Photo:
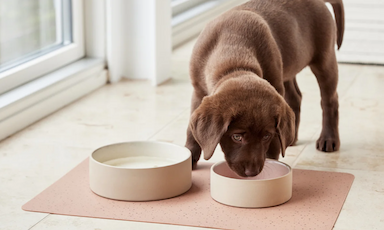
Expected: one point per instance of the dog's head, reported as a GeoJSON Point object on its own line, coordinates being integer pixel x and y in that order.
{"type": "Point", "coordinates": [244, 116]}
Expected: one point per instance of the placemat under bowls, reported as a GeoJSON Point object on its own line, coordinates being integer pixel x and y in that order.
{"type": "Point", "coordinates": [317, 199]}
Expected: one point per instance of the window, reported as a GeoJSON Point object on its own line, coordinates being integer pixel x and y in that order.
{"type": "Point", "coordinates": [43, 62]}
{"type": "Point", "coordinates": [179, 6]}
{"type": "Point", "coordinates": [36, 37]}
{"type": "Point", "coordinates": [190, 16]}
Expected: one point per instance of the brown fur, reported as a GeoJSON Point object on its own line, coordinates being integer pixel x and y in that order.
{"type": "Point", "coordinates": [244, 65]}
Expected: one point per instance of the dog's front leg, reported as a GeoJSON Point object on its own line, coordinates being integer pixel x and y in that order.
{"type": "Point", "coordinates": [293, 97]}
{"type": "Point", "coordinates": [194, 147]}
{"type": "Point", "coordinates": [191, 143]}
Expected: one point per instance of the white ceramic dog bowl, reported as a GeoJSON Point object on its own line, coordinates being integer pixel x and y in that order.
{"type": "Point", "coordinates": [140, 171]}
{"type": "Point", "coordinates": [273, 186]}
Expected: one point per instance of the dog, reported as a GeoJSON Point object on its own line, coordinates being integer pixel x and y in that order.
{"type": "Point", "coordinates": [243, 69]}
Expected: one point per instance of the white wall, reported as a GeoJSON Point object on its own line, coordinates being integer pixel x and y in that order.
{"type": "Point", "coordinates": [139, 50]}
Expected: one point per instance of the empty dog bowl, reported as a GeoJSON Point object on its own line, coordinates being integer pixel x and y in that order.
{"type": "Point", "coordinates": [140, 171]}
{"type": "Point", "coordinates": [273, 186]}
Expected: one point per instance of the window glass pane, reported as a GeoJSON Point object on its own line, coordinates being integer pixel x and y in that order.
{"type": "Point", "coordinates": [179, 6]}
{"type": "Point", "coordinates": [31, 28]}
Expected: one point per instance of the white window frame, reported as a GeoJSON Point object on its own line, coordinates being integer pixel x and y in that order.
{"type": "Point", "coordinates": [44, 64]}
{"type": "Point", "coordinates": [180, 6]}
{"type": "Point", "coordinates": [190, 16]}
{"type": "Point", "coordinates": [85, 72]}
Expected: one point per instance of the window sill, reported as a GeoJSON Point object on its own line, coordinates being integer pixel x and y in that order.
{"type": "Point", "coordinates": [188, 24]}
{"type": "Point", "coordinates": [32, 101]}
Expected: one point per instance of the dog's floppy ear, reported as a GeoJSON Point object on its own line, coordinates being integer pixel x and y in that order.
{"type": "Point", "coordinates": [285, 127]}
{"type": "Point", "coordinates": [208, 124]}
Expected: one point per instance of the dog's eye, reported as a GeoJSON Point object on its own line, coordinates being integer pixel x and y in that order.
{"type": "Point", "coordinates": [237, 137]}
{"type": "Point", "coordinates": [267, 136]}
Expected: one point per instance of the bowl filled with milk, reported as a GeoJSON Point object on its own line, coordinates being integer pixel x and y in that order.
{"type": "Point", "coordinates": [140, 171]}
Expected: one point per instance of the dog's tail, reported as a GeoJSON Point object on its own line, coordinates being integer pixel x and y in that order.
{"type": "Point", "coordinates": [338, 10]}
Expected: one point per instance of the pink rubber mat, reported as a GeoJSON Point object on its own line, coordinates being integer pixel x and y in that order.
{"type": "Point", "coordinates": [315, 204]}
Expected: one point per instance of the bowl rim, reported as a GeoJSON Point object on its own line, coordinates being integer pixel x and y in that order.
{"type": "Point", "coordinates": [251, 181]}
{"type": "Point", "coordinates": [137, 169]}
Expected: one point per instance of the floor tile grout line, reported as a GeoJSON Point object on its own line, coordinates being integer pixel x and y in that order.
{"type": "Point", "coordinates": [342, 97]}
{"type": "Point", "coordinates": [322, 168]}
{"type": "Point", "coordinates": [38, 222]}
{"type": "Point", "coordinates": [298, 156]}
{"type": "Point", "coordinates": [168, 124]}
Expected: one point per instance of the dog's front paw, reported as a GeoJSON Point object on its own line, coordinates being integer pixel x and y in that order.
{"type": "Point", "coordinates": [328, 144]}
{"type": "Point", "coordinates": [194, 165]}
{"type": "Point", "coordinates": [294, 142]}
{"type": "Point", "coordinates": [195, 153]}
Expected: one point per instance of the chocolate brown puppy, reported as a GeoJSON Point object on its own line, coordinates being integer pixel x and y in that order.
{"type": "Point", "coordinates": [243, 70]}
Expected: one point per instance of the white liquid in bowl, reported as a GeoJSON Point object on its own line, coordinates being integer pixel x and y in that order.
{"type": "Point", "coordinates": [140, 162]}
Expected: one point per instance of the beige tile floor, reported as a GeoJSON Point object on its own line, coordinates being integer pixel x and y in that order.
{"type": "Point", "coordinates": [34, 158]}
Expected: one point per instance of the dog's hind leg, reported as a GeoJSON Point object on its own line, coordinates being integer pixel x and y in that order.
{"type": "Point", "coordinates": [326, 71]}
{"type": "Point", "coordinates": [191, 143]}
{"type": "Point", "coordinates": [293, 98]}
